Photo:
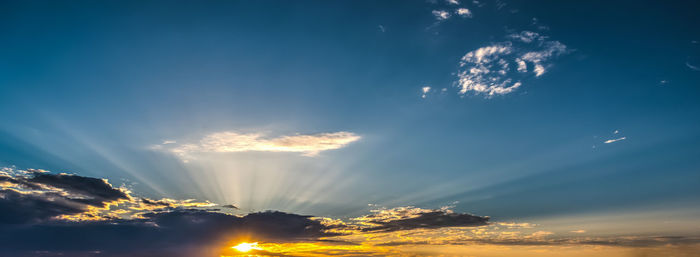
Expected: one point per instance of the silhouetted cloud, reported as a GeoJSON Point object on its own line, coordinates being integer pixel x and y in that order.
{"type": "Point", "coordinates": [19, 208]}
{"type": "Point", "coordinates": [70, 215]}
{"type": "Point", "coordinates": [95, 191]}
{"type": "Point", "coordinates": [406, 218]}
{"type": "Point", "coordinates": [180, 232]}
{"type": "Point", "coordinates": [230, 206]}
{"type": "Point", "coordinates": [35, 196]}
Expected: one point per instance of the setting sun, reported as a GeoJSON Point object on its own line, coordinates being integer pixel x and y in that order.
{"type": "Point", "coordinates": [245, 247]}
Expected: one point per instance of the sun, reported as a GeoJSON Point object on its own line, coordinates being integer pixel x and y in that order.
{"type": "Point", "coordinates": [245, 247]}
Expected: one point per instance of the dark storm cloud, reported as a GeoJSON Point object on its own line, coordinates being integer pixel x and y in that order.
{"type": "Point", "coordinates": [432, 219]}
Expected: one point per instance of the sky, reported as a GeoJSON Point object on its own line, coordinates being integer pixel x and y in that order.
{"type": "Point", "coordinates": [355, 128]}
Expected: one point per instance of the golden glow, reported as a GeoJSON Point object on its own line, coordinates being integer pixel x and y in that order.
{"type": "Point", "coordinates": [246, 247]}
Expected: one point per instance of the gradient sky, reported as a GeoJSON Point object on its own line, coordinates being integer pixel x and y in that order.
{"type": "Point", "coordinates": [334, 109]}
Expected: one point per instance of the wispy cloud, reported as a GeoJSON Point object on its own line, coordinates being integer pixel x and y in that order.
{"type": "Point", "coordinates": [441, 15]}
{"type": "Point", "coordinates": [614, 140]}
{"type": "Point", "coordinates": [488, 70]}
{"type": "Point", "coordinates": [453, 2]}
{"type": "Point", "coordinates": [464, 12]}
{"type": "Point", "coordinates": [425, 90]}
{"type": "Point", "coordinates": [231, 142]}
{"type": "Point", "coordinates": [692, 67]}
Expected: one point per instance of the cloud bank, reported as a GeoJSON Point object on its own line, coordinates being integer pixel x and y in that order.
{"type": "Point", "coordinates": [45, 214]}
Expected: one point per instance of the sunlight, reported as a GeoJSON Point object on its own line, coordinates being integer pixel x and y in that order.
{"type": "Point", "coordinates": [245, 247]}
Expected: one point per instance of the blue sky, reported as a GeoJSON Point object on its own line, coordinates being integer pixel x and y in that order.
{"type": "Point", "coordinates": [117, 89]}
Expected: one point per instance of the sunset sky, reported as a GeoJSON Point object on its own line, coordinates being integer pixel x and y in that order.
{"type": "Point", "coordinates": [349, 128]}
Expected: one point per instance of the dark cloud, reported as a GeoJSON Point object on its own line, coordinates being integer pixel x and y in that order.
{"type": "Point", "coordinates": [432, 219]}
{"type": "Point", "coordinates": [157, 203]}
{"type": "Point", "coordinates": [280, 226]}
{"type": "Point", "coordinates": [37, 196]}
{"type": "Point", "coordinates": [34, 207]}
{"type": "Point", "coordinates": [97, 191]}
{"type": "Point", "coordinates": [32, 223]}
{"type": "Point", "coordinates": [180, 232]}
{"type": "Point", "coordinates": [19, 208]}
{"type": "Point", "coordinates": [230, 206]}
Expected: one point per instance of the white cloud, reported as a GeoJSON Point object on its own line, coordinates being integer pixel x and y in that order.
{"type": "Point", "coordinates": [231, 142]}
{"type": "Point", "coordinates": [425, 90]}
{"type": "Point", "coordinates": [487, 70]}
{"type": "Point", "coordinates": [522, 66]}
{"type": "Point", "coordinates": [527, 36]}
{"type": "Point", "coordinates": [615, 140]}
{"type": "Point", "coordinates": [693, 67]}
{"type": "Point", "coordinates": [441, 15]}
{"type": "Point", "coordinates": [464, 12]}
{"type": "Point", "coordinates": [455, 2]}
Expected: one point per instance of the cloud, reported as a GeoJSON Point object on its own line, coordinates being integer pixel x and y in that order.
{"type": "Point", "coordinates": [381, 28]}
{"type": "Point", "coordinates": [38, 210]}
{"type": "Point", "coordinates": [464, 12]}
{"type": "Point", "coordinates": [692, 67]}
{"type": "Point", "coordinates": [32, 204]}
{"type": "Point", "coordinates": [407, 218]}
{"type": "Point", "coordinates": [424, 90]}
{"type": "Point", "coordinates": [452, 2]}
{"type": "Point", "coordinates": [185, 232]}
{"type": "Point", "coordinates": [441, 15]}
{"type": "Point", "coordinates": [488, 70]}
{"type": "Point", "coordinates": [231, 142]}
{"type": "Point", "coordinates": [36, 196]}
{"type": "Point", "coordinates": [614, 140]}
{"type": "Point", "coordinates": [526, 36]}
{"type": "Point", "coordinates": [230, 206]}
{"type": "Point", "coordinates": [91, 191]}
{"type": "Point", "coordinates": [580, 231]}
